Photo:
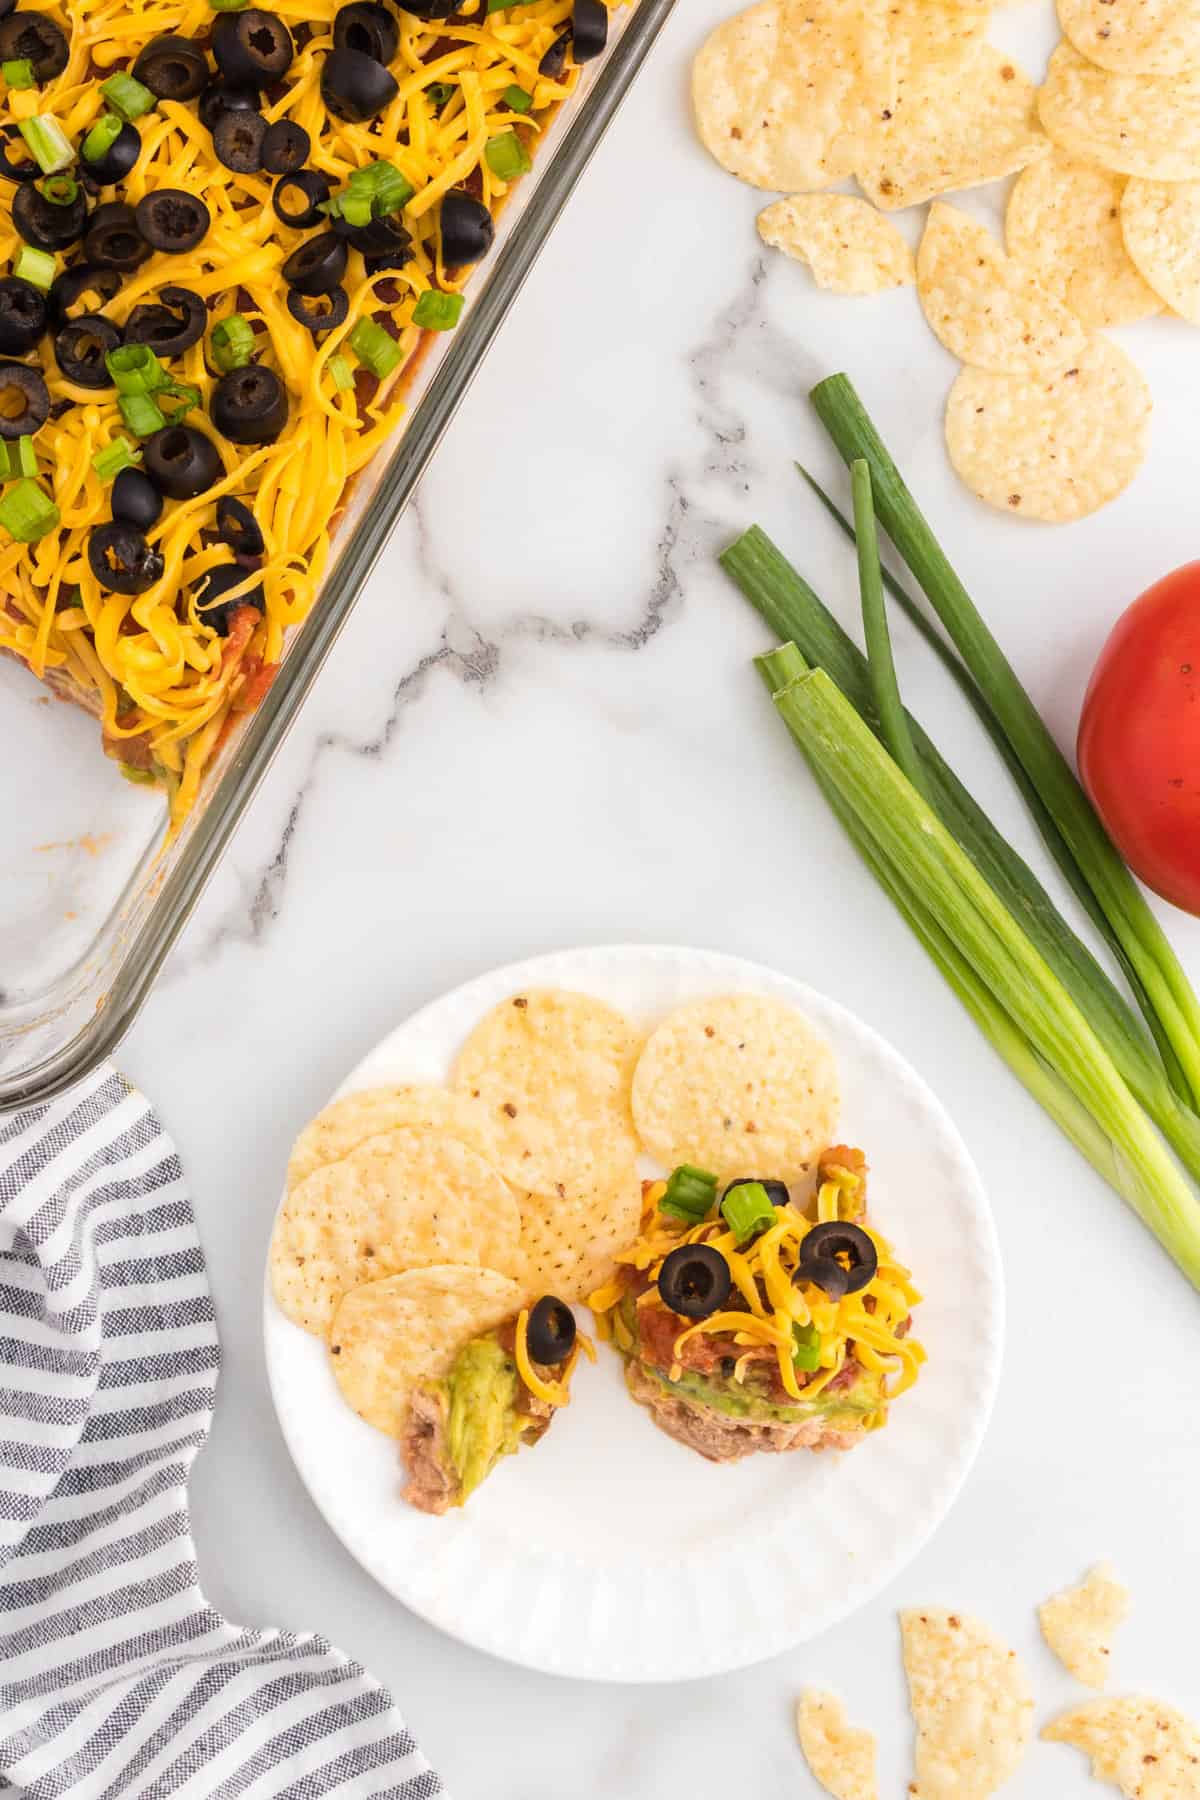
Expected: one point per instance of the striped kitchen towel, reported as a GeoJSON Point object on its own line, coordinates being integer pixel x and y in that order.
{"type": "Point", "coordinates": [117, 1680]}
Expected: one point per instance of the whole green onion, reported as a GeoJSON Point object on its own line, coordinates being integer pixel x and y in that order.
{"type": "Point", "coordinates": [507, 156]}
{"type": "Point", "coordinates": [141, 414]}
{"type": "Point", "coordinates": [60, 190]}
{"type": "Point", "coordinates": [373, 347]}
{"type": "Point", "coordinates": [49, 145]}
{"type": "Point", "coordinates": [893, 721]}
{"type": "Point", "coordinates": [690, 1195]}
{"type": "Point", "coordinates": [37, 267]}
{"type": "Point", "coordinates": [119, 454]}
{"type": "Point", "coordinates": [806, 1348]}
{"type": "Point", "coordinates": [135, 369]}
{"type": "Point", "coordinates": [18, 73]}
{"type": "Point", "coordinates": [232, 343]}
{"type": "Point", "coordinates": [343, 374]}
{"type": "Point", "coordinates": [101, 137]}
{"type": "Point", "coordinates": [27, 513]}
{"type": "Point", "coordinates": [436, 311]}
{"type": "Point", "coordinates": [746, 1209]}
{"type": "Point", "coordinates": [516, 99]}
{"type": "Point", "coordinates": [127, 97]}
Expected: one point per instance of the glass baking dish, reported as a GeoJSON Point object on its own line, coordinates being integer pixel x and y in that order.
{"type": "Point", "coordinates": [92, 896]}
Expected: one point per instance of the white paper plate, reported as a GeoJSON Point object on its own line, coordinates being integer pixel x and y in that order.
{"type": "Point", "coordinates": [610, 1552]}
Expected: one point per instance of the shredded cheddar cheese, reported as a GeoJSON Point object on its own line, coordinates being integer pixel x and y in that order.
{"type": "Point", "coordinates": [164, 682]}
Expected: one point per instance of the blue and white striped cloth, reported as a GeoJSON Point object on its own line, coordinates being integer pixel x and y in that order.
{"type": "Point", "coordinates": [117, 1680]}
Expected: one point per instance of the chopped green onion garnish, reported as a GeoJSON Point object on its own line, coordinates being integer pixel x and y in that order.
{"type": "Point", "coordinates": [435, 311]}
{"type": "Point", "coordinates": [127, 97]}
{"type": "Point", "coordinates": [183, 398]}
{"type": "Point", "coordinates": [343, 374]}
{"type": "Point", "coordinates": [371, 192]}
{"type": "Point", "coordinates": [17, 458]}
{"type": "Point", "coordinates": [438, 92]}
{"type": "Point", "coordinates": [18, 73]}
{"type": "Point", "coordinates": [806, 1348]}
{"type": "Point", "coordinates": [375, 348]}
{"type": "Point", "coordinates": [507, 156]}
{"type": "Point", "coordinates": [228, 5]}
{"type": "Point", "coordinates": [102, 136]}
{"type": "Point", "coordinates": [49, 145]}
{"type": "Point", "coordinates": [60, 190]}
{"type": "Point", "coordinates": [114, 457]}
{"type": "Point", "coordinates": [37, 267]}
{"type": "Point", "coordinates": [746, 1209]}
{"type": "Point", "coordinates": [141, 414]}
{"type": "Point", "coordinates": [27, 513]}
{"type": "Point", "coordinates": [516, 99]}
{"type": "Point", "coordinates": [136, 370]}
{"type": "Point", "coordinates": [691, 1194]}
{"type": "Point", "coordinates": [232, 343]}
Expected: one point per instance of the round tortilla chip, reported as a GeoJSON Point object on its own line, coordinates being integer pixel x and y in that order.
{"type": "Point", "coordinates": [404, 1200]}
{"type": "Point", "coordinates": [841, 1758]}
{"type": "Point", "coordinates": [1079, 1624]}
{"type": "Point", "coordinates": [777, 92]}
{"type": "Point", "coordinates": [1150, 1751]}
{"type": "Point", "coordinates": [546, 1078]}
{"type": "Point", "coordinates": [347, 1123]}
{"type": "Point", "coordinates": [1052, 448]}
{"type": "Point", "coordinates": [988, 311]}
{"type": "Point", "coordinates": [971, 1704]}
{"type": "Point", "coordinates": [920, 34]}
{"type": "Point", "coordinates": [1135, 37]}
{"type": "Point", "coordinates": [568, 1243]}
{"type": "Point", "coordinates": [1146, 125]}
{"type": "Point", "coordinates": [737, 1084]}
{"type": "Point", "coordinates": [1161, 225]}
{"type": "Point", "coordinates": [1064, 223]}
{"type": "Point", "coordinates": [388, 1336]}
{"type": "Point", "coordinates": [850, 248]}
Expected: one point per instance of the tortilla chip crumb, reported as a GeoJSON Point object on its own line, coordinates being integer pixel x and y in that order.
{"type": "Point", "coordinates": [1078, 1625]}
{"type": "Point", "coordinates": [841, 1756]}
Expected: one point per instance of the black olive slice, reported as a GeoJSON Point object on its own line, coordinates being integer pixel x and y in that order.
{"type": "Point", "coordinates": [221, 97]}
{"type": "Point", "coordinates": [22, 316]}
{"type": "Point", "coordinates": [776, 1191]}
{"type": "Point", "coordinates": [113, 238]}
{"type": "Point", "coordinates": [238, 527]}
{"type": "Point", "coordinates": [589, 29]}
{"type": "Point", "coordinates": [385, 236]}
{"type": "Point", "coordinates": [298, 198]}
{"type": "Point", "coordinates": [81, 347]}
{"type": "Point", "coordinates": [172, 325]}
{"type": "Point", "coordinates": [249, 405]}
{"type": "Point", "coordinates": [285, 147]}
{"type": "Point", "coordinates": [6, 6]}
{"type": "Point", "coordinates": [368, 27]}
{"type": "Point", "coordinates": [554, 62]}
{"type": "Point", "coordinates": [550, 1330]}
{"type": "Point", "coordinates": [317, 265]}
{"type": "Point", "coordinates": [172, 220]}
{"type": "Point", "coordinates": [433, 9]}
{"type": "Point", "coordinates": [135, 500]}
{"type": "Point", "coordinates": [45, 224]}
{"type": "Point", "coordinates": [238, 140]}
{"type": "Point", "coordinates": [355, 87]}
{"type": "Point", "coordinates": [218, 581]}
{"type": "Point", "coordinates": [821, 1251]}
{"type": "Point", "coordinates": [34, 37]}
{"type": "Point", "coordinates": [173, 68]}
{"type": "Point", "coordinates": [24, 400]}
{"type": "Point", "coordinates": [19, 166]}
{"type": "Point", "coordinates": [467, 227]}
{"type": "Point", "coordinates": [117, 160]}
{"type": "Point", "coordinates": [122, 560]}
{"type": "Point", "coordinates": [182, 462]}
{"type": "Point", "coordinates": [253, 48]}
{"type": "Point", "coordinates": [694, 1280]}
{"type": "Point", "coordinates": [73, 284]}
{"type": "Point", "coordinates": [319, 312]}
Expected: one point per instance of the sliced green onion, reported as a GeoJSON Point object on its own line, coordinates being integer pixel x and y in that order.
{"type": "Point", "coordinates": [37, 267]}
{"type": "Point", "coordinates": [114, 457]}
{"type": "Point", "coordinates": [228, 5]}
{"type": "Point", "coordinates": [371, 192]}
{"type": "Point", "coordinates": [60, 190]}
{"type": "Point", "coordinates": [141, 414]}
{"type": "Point", "coordinates": [232, 343]}
{"type": "Point", "coordinates": [746, 1209]}
{"type": "Point", "coordinates": [102, 136]}
{"type": "Point", "coordinates": [17, 458]}
{"type": "Point", "coordinates": [127, 97]}
{"type": "Point", "coordinates": [49, 145]}
{"type": "Point", "coordinates": [438, 92]}
{"type": "Point", "coordinates": [375, 348]}
{"type": "Point", "coordinates": [435, 311]}
{"type": "Point", "coordinates": [139, 777]}
{"type": "Point", "coordinates": [343, 374]}
{"type": "Point", "coordinates": [691, 1194]}
{"type": "Point", "coordinates": [507, 156]}
{"type": "Point", "coordinates": [356, 209]}
{"type": "Point", "coordinates": [806, 1348]}
{"type": "Point", "coordinates": [27, 512]}
{"type": "Point", "coordinates": [183, 397]}
{"type": "Point", "coordinates": [136, 369]}
{"type": "Point", "coordinates": [516, 99]}
{"type": "Point", "coordinates": [18, 73]}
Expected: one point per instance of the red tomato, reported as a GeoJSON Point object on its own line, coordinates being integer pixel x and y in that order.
{"type": "Point", "coordinates": [1139, 738]}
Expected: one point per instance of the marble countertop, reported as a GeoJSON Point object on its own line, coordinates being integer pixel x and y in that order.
{"type": "Point", "coordinates": [542, 728]}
